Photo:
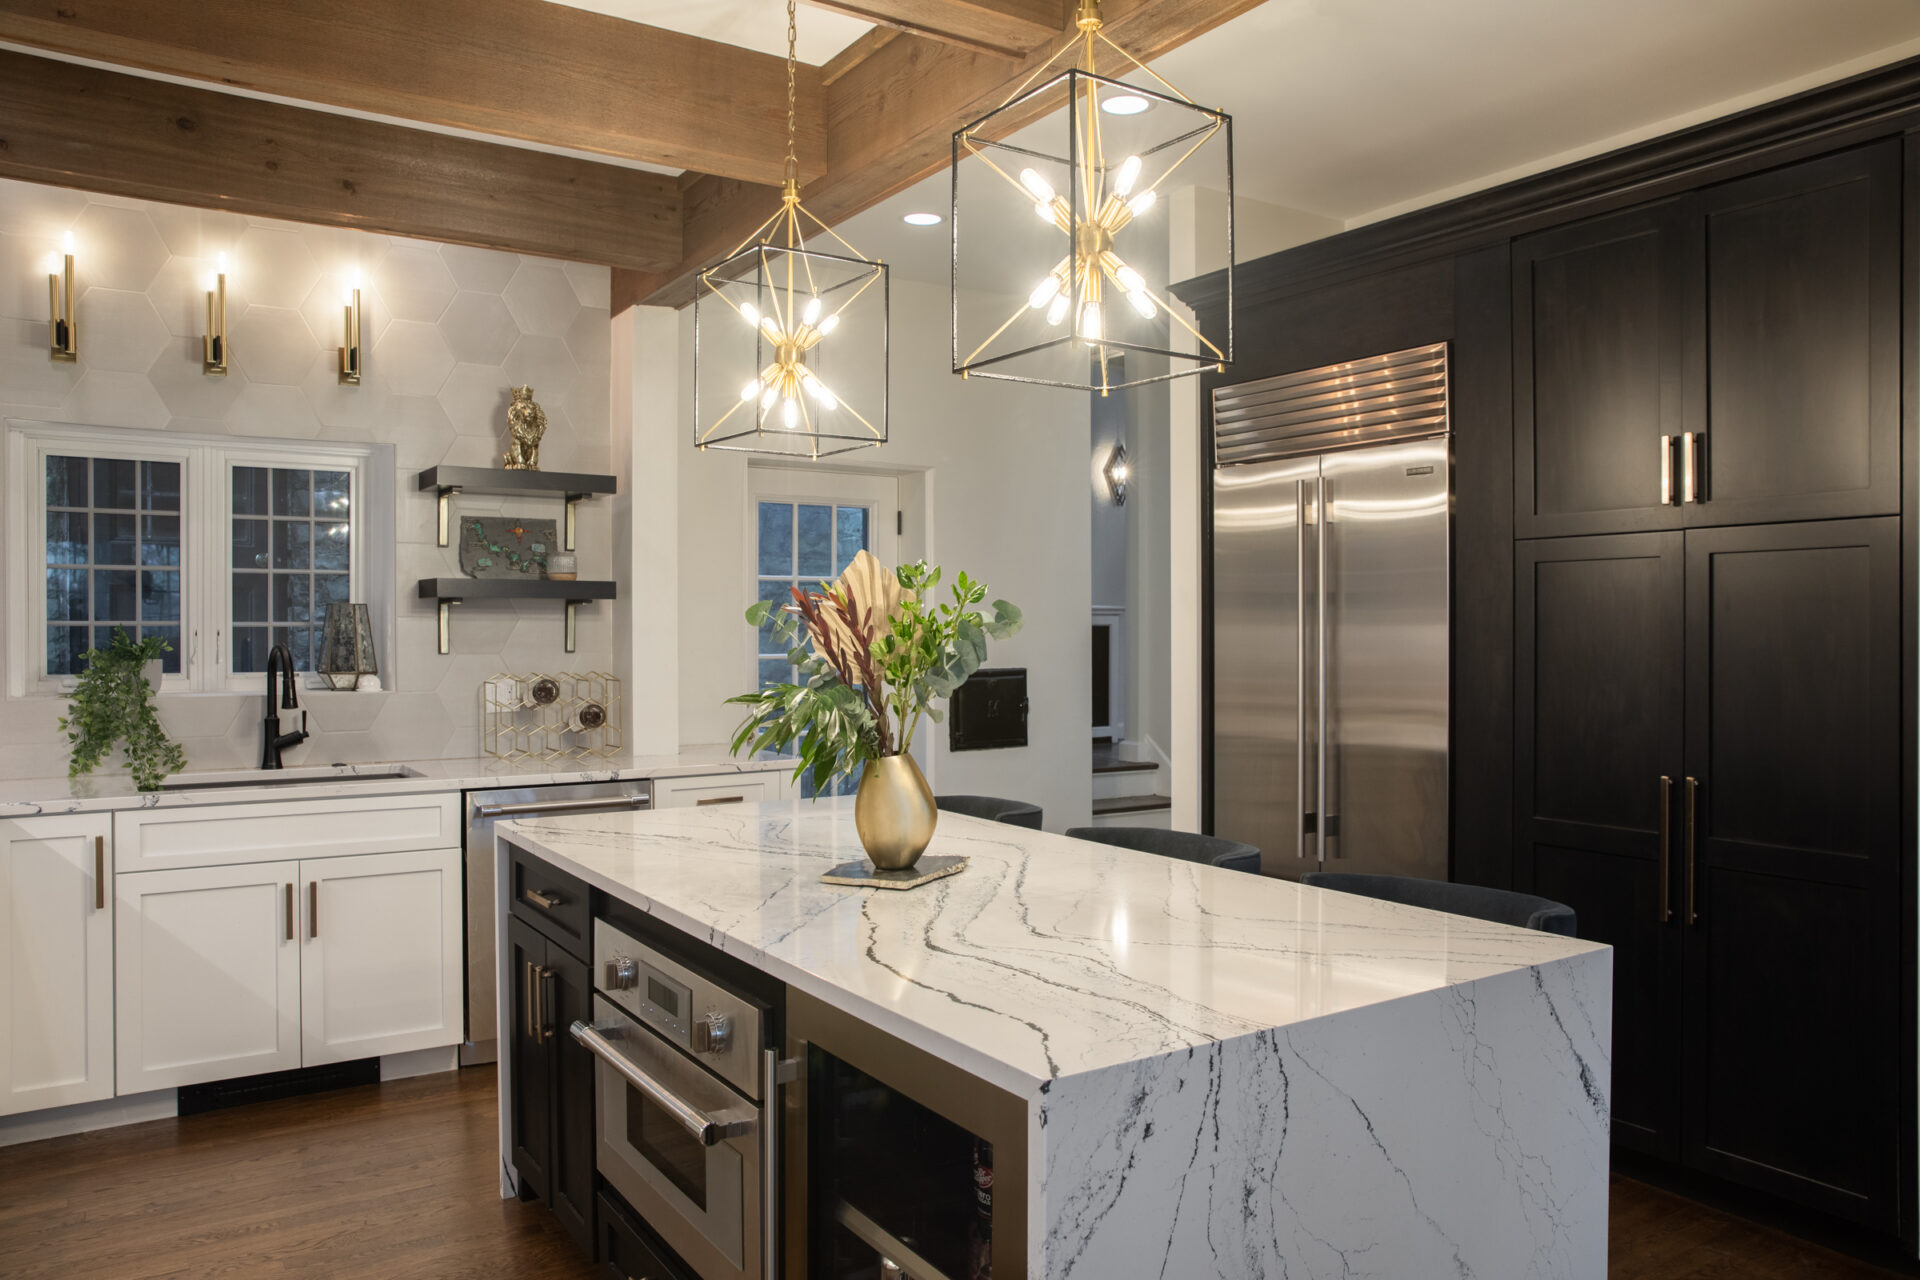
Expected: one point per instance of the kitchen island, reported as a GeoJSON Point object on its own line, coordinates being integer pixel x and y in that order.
{"type": "Point", "coordinates": [1221, 1074]}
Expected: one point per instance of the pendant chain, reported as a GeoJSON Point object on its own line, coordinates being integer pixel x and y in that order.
{"type": "Point", "coordinates": [793, 160]}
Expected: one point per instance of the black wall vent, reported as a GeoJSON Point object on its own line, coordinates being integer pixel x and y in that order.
{"type": "Point", "coordinates": [989, 711]}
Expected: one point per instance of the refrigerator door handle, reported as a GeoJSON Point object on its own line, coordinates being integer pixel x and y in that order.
{"type": "Point", "coordinates": [1323, 534]}
{"type": "Point", "coordinates": [1300, 677]}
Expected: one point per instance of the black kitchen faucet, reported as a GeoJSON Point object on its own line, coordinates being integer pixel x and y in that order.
{"type": "Point", "coordinates": [273, 741]}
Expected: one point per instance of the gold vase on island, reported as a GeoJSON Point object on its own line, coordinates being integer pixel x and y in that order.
{"type": "Point", "coordinates": [893, 812]}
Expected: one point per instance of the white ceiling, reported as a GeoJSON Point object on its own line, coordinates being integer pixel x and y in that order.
{"type": "Point", "coordinates": [1359, 109]}
{"type": "Point", "coordinates": [750, 24]}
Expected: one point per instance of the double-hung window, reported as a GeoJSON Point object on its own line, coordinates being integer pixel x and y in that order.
{"type": "Point", "coordinates": [222, 546]}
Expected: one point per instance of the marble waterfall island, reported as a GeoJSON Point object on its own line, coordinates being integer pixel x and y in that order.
{"type": "Point", "coordinates": [1223, 1075]}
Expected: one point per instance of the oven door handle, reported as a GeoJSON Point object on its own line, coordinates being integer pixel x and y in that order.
{"type": "Point", "coordinates": [706, 1129]}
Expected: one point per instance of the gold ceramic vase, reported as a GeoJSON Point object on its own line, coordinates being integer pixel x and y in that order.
{"type": "Point", "coordinates": [893, 812]}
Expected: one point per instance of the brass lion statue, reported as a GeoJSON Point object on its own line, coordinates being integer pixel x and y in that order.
{"type": "Point", "coordinates": [526, 423]}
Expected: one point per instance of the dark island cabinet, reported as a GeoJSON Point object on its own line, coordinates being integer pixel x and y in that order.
{"type": "Point", "coordinates": [552, 1094]}
{"type": "Point", "coordinates": [1731, 356]}
{"type": "Point", "coordinates": [1708, 736]}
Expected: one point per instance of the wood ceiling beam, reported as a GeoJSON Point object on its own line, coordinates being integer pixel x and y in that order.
{"type": "Point", "coordinates": [523, 69]}
{"type": "Point", "coordinates": [1007, 28]}
{"type": "Point", "coordinates": [73, 126]}
{"type": "Point", "coordinates": [890, 123]}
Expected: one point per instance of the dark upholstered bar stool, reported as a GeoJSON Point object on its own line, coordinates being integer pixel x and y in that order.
{"type": "Point", "coordinates": [1184, 845]}
{"type": "Point", "coordinates": [1015, 813]}
{"type": "Point", "coordinates": [1501, 906]}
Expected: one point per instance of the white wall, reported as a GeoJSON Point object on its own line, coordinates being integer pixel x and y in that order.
{"type": "Point", "coordinates": [996, 473]}
{"type": "Point", "coordinates": [447, 331]}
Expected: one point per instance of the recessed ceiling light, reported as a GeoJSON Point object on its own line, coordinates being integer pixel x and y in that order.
{"type": "Point", "coordinates": [1125, 104]}
{"type": "Point", "coordinates": [922, 219]}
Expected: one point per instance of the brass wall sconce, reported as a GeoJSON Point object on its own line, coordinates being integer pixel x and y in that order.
{"type": "Point", "coordinates": [1116, 472]}
{"type": "Point", "coordinates": [63, 335]}
{"type": "Point", "coordinates": [350, 352]}
{"type": "Point", "coordinates": [215, 364]}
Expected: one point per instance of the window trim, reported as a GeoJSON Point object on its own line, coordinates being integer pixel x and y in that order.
{"type": "Point", "coordinates": [206, 531]}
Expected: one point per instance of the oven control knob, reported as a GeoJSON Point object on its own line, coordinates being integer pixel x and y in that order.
{"type": "Point", "coordinates": [623, 973]}
{"type": "Point", "coordinates": [712, 1034]}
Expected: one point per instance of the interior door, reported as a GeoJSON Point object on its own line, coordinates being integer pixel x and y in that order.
{"type": "Point", "coordinates": [381, 968]}
{"type": "Point", "coordinates": [1386, 668]}
{"type": "Point", "coordinates": [1599, 340]}
{"type": "Point", "coordinates": [56, 961]}
{"type": "Point", "coordinates": [1800, 273]}
{"type": "Point", "coordinates": [1792, 874]}
{"type": "Point", "coordinates": [1265, 584]}
{"type": "Point", "coordinates": [206, 974]}
{"type": "Point", "coordinates": [1598, 753]}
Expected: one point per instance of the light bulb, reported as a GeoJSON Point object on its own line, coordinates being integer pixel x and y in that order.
{"type": "Point", "coordinates": [1058, 311]}
{"type": "Point", "coordinates": [1142, 302]}
{"type": "Point", "coordinates": [822, 396]}
{"type": "Point", "coordinates": [1044, 292]}
{"type": "Point", "coordinates": [750, 313]}
{"type": "Point", "coordinates": [351, 287]}
{"type": "Point", "coordinates": [1129, 171]}
{"type": "Point", "coordinates": [1032, 181]}
{"type": "Point", "coordinates": [1044, 212]}
{"type": "Point", "coordinates": [66, 245]}
{"type": "Point", "coordinates": [1141, 203]}
{"type": "Point", "coordinates": [1129, 279]}
{"type": "Point", "coordinates": [790, 414]}
{"type": "Point", "coordinates": [772, 394]}
{"type": "Point", "coordinates": [771, 329]}
{"type": "Point", "coordinates": [750, 390]}
{"type": "Point", "coordinates": [1090, 322]}
{"type": "Point", "coordinates": [812, 311]}
{"type": "Point", "coordinates": [831, 323]}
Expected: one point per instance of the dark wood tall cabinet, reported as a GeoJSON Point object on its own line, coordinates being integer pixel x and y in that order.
{"type": "Point", "coordinates": [551, 1115]}
{"type": "Point", "coordinates": [1709, 743]}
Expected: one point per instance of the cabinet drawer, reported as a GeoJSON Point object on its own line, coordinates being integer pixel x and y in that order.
{"type": "Point", "coordinates": [727, 788]}
{"type": "Point", "coordinates": [549, 899]}
{"type": "Point", "coordinates": [219, 835]}
{"type": "Point", "coordinates": [628, 1250]}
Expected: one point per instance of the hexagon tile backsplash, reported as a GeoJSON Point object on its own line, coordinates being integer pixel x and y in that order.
{"type": "Point", "coordinates": [446, 330]}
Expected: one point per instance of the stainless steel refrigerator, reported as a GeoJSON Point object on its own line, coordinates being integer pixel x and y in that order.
{"type": "Point", "coordinates": [1331, 511]}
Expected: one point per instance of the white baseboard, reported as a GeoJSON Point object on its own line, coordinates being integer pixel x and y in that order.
{"type": "Point", "coordinates": [83, 1117]}
{"type": "Point", "coordinates": [420, 1062]}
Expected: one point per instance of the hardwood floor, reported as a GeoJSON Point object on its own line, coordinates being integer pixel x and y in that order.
{"type": "Point", "coordinates": [392, 1181]}
{"type": "Point", "coordinates": [398, 1181]}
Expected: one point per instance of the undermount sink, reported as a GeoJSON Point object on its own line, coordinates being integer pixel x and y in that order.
{"type": "Point", "coordinates": [286, 777]}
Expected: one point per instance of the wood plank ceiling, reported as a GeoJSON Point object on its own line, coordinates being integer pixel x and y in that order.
{"type": "Point", "coordinates": [876, 119]}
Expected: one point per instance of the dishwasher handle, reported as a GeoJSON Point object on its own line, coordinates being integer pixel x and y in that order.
{"type": "Point", "coordinates": [553, 808]}
{"type": "Point", "coordinates": [705, 1129]}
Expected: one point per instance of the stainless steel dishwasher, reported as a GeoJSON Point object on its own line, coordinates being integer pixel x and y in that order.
{"type": "Point", "coordinates": [483, 810]}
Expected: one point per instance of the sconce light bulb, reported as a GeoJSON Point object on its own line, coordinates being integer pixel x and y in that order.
{"type": "Point", "coordinates": [811, 312]}
{"type": "Point", "coordinates": [66, 242]}
{"type": "Point", "coordinates": [1142, 302]}
{"type": "Point", "coordinates": [750, 313]}
{"type": "Point", "coordinates": [1090, 322]}
{"type": "Point", "coordinates": [1141, 203]}
{"type": "Point", "coordinates": [1044, 292]}
{"type": "Point", "coordinates": [1129, 279]}
{"type": "Point", "coordinates": [772, 394]}
{"type": "Point", "coordinates": [1058, 311]}
{"type": "Point", "coordinates": [1129, 171]}
{"type": "Point", "coordinates": [831, 323]}
{"type": "Point", "coordinates": [749, 391]}
{"type": "Point", "coordinates": [790, 414]}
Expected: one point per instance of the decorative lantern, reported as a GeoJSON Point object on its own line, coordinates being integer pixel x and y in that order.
{"type": "Point", "coordinates": [1060, 230]}
{"type": "Point", "coordinates": [346, 646]}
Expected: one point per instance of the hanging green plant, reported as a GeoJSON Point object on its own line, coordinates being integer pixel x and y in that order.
{"type": "Point", "coordinates": [113, 702]}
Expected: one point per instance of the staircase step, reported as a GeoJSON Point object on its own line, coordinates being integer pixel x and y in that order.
{"type": "Point", "coordinates": [1107, 759]}
{"type": "Point", "coordinates": [1130, 804]}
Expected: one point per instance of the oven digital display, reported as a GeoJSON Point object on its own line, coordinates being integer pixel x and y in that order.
{"type": "Point", "coordinates": [663, 997]}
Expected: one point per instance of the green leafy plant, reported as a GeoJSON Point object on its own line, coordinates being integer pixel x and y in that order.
{"type": "Point", "coordinates": [874, 655]}
{"type": "Point", "coordinates": [113, 702]}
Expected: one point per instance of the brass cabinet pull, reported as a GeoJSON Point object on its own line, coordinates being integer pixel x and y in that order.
{"type": "Point", "coordinates": [720, 800]}
{"type": "Point", "coordinates": [544, 901]}
{"type": "Point", "coordinates": [546, 1013]}
{"type": "Point", "coordinates": [1666, 845]}
{"type": "Point", "coordinates": [1690, 442]}
{"type": "Point", "coordinates": [99, 873]}
{"type": "Point", "coordinates": [1693, 796]}
{"type": "Point", "coordinates": [1666, 471]}
{"type": "Point", "coordinates": [289, 911]}
{"type": "Point", "coordinates": [313, 908]}
{"type": "Point", "coordinates": [526, 991]}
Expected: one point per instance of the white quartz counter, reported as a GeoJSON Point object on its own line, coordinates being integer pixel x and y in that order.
{"type": "Point", "coordinates": [1228, 1075]}
{"type": "Point", "coordinates": [102, 792]}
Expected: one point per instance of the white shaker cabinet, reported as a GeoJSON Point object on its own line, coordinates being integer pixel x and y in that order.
{"type": "Point", "coordinates": [717, 789]}
{"type": "Point", "coordinates": [381, 967]}
{"type": "Point", "coordinates": [208, 974]}
{"type": "Point", "coordinates": [56, 961]}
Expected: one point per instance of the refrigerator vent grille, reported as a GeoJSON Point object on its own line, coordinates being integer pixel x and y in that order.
{"type": "Point", "coordinates": [1400, 396]}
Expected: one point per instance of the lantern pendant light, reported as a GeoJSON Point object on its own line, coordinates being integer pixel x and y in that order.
{"type": "Point", "coordinates": [790, 338]}
{"type": "Point", "coordinates": [1060, 243]}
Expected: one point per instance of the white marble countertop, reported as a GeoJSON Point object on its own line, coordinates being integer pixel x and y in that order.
{"type": "Point", "coordinates": [29, 797]}
{"type": "Point", "coordinates": [1045, 958]}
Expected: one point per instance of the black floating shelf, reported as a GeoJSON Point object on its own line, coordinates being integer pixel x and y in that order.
{"type": "Point", "coordinates": [570, 486]}
{"type": "Point", "coordinates": [451, 591]}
